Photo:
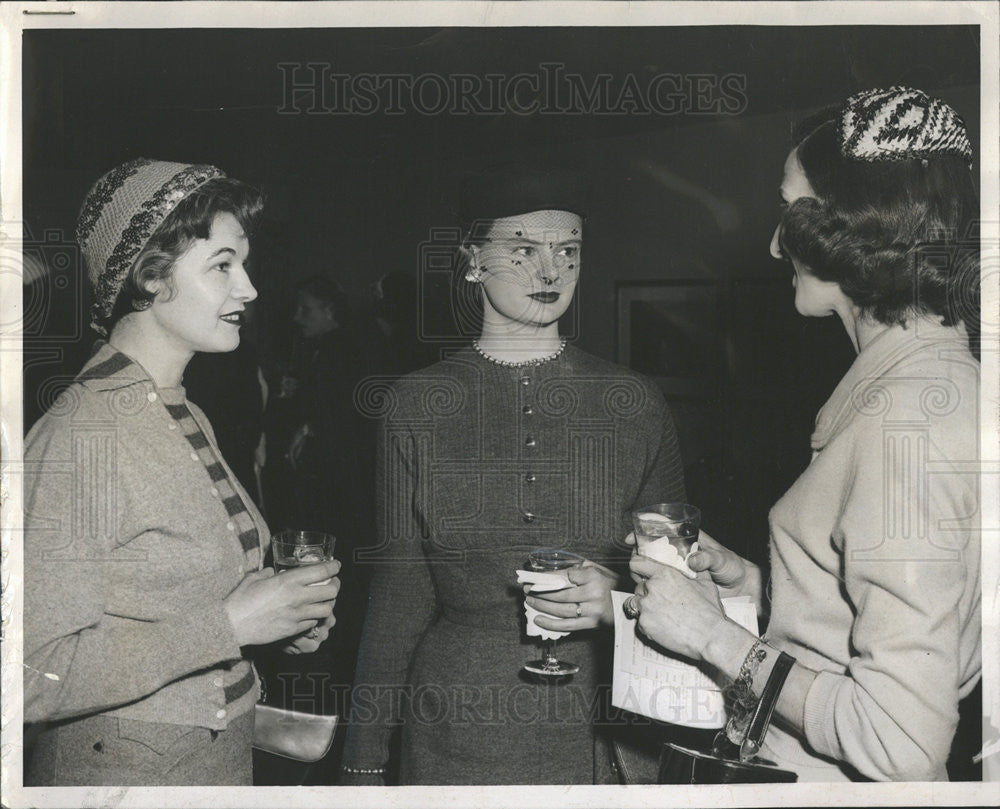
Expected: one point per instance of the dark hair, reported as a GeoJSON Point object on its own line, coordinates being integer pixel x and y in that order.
{"type": "Point", "coordinates": [899, 236]}
{"type": "Point", "coordinates": [326, 290]}
{"type": "Point", "coordinates": [191, 219]}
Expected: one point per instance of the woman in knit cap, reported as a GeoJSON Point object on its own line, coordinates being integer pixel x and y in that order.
{"type": "Point", "coordinates": [143, 553]}
{"type": "Point", "coordinates": [875, 550]}
{"type": "Point", "coordinates": [516, 442]}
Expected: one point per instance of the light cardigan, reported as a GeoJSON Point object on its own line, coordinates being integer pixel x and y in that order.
{"type": "Point", "coordinates": [130, 547]}
{"type": "Point", "coordinates": [875, 563]}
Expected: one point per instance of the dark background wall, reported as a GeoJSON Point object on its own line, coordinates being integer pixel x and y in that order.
{"type": "Point", "coordinates": [688, 198]}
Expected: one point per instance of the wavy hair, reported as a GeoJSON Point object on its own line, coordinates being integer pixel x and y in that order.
{"type": "Point", "coordinates": [191, 219]}
{"type": "Point", "coordinates": [899, 237]}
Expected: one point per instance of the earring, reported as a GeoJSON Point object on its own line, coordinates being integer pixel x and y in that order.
{"type": "Point", "coordinates": [474, 275]}
{"type": "Point", "coordinates": [139, 304]}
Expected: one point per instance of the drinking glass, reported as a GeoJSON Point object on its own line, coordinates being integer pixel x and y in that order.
{"type": "Point", "coordinates": [297, 548]}
{"type": "Point", "coordinates": [678, 523]}
{"type": "Point", "coordinates": [550, 559]}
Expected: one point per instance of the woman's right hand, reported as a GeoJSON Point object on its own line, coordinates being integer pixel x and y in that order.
{"type": "Point", "coordinates": [732, 574]}
{"type": "Point", "coordinates": [266, 607]}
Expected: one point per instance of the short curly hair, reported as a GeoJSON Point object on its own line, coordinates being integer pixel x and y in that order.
{"type": "Point", "coordinates": [192, 219]}
{"type": "Point", "coordinates": [899, 237]}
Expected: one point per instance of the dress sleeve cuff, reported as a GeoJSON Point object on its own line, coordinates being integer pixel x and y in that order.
{"type": "Point", "coordinates": [818, 714]}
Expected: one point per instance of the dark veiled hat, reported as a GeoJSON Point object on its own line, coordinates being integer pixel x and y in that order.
{"type": "Point", "coordinates": [516, 188]}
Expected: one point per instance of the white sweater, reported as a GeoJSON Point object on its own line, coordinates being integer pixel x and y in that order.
{"type": "Point", "coordinates": [875, 563]}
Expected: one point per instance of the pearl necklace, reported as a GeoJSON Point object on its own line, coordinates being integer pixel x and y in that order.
{"type": "Point", "coordinates": [522, 363]}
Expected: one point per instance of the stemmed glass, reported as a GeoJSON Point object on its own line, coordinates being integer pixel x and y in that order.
{"type": "Point", "coordinates": [548, 560]}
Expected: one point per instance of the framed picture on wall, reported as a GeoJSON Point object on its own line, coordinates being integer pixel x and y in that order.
{"type": "Point", "coordinates": [669, 330]}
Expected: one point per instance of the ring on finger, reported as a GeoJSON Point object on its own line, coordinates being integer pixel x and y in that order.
{"type": "Point", "coordinates": [631, 607]}
{"type": "Point", "coordinates": [313, 633]}
{"type": "Point", "coordinates": [579, 610]}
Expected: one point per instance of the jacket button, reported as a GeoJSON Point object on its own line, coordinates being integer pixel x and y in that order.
{"type": "Point", "coordinates": [151, 396]}
{"type": "Point", "coordinates": [220, 714]}
{"type": "Point", "coordinates": [529, 478]}
{"type": "Point", "coordinates": [527, 410]}
{"type": "Point", "coordinates": [530, 441]}
{"type": "Point", "coordinates": [528, 517]}
{"type": "Point", "coordinates": [525, 380]}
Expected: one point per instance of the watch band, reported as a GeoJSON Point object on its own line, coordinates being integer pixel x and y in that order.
{"type": "Point", "coordinates": [761, 720]}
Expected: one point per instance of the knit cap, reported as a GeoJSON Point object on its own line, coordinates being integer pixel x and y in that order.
{"type": "Point", "coordinates": [119, 216]}
{"type": "Point", "coordinates": [901, 123]}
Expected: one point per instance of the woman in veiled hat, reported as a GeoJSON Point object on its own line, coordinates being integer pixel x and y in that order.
{"type": "Point", "coordinates": [517, 442]}
{"type": "Point", "coordinates": [142, 552]}
{"type": "Point", "coordinates": [875, 550]}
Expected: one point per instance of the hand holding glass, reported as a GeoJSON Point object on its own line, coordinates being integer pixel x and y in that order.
{"type": "Point", "coordinates": [677, 523]}
{"type": "Point", "coordinates": [549, 560]}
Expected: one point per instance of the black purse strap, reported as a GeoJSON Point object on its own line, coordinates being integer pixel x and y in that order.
{"type": "Point", "coordinates": [761, 720]}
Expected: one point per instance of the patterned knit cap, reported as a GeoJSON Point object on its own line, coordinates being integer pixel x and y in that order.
{"type": "Point", "coordinates": [901, 124]}
{"type": "Point", "coordinates": [119, 215]}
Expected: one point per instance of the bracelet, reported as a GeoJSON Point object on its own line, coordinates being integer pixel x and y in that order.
{"type": "Point", "coordinates": [765, 707]}
{"type": "Point", "coordinates": [741, 693]}
{"type": "Point", "coordinates": [363, 770]}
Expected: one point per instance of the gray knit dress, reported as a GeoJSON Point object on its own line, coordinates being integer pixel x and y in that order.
{"type": "Point", "coordinates": [479, 464]}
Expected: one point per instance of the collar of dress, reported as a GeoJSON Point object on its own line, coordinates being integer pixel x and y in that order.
{"type": "Point", "coordinates": [110, 369]}
{"type": "Point", "coordinates": [875, 362]}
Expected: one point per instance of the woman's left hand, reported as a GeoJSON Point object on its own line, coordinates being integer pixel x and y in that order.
{"type": "Point", "coordinates": [310, 641]}
{"type": "Point", "coordinates": [584, 605]}
{"type": "Point", "coordinates": [680, 614]}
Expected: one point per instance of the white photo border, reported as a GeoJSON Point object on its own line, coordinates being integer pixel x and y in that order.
{"type": "Point", "coordinates": [18, 17]}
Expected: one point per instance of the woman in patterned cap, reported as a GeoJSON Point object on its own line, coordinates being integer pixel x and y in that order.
{"type": "Point", "coordinates": [516, 442]}
{"type": "Point", "coordinates": [875, 550]}
{"type": "Point", "coordinates": [143, 553]}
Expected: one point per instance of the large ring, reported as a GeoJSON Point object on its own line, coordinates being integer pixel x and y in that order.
{"type": "Point", "coordinates": [313, 633]}
{"type": "Point", "coordinates": [579, 610]}
{"type": "Point", "coordinates": [631, 607]}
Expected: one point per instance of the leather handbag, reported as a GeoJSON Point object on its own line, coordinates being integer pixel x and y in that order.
{"type": "Point", "coordinates": [682, 765]}
{"type": "Point", "coordinates": [728, 763]}
{"type": "Point", "coordinates": [293, 734]}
